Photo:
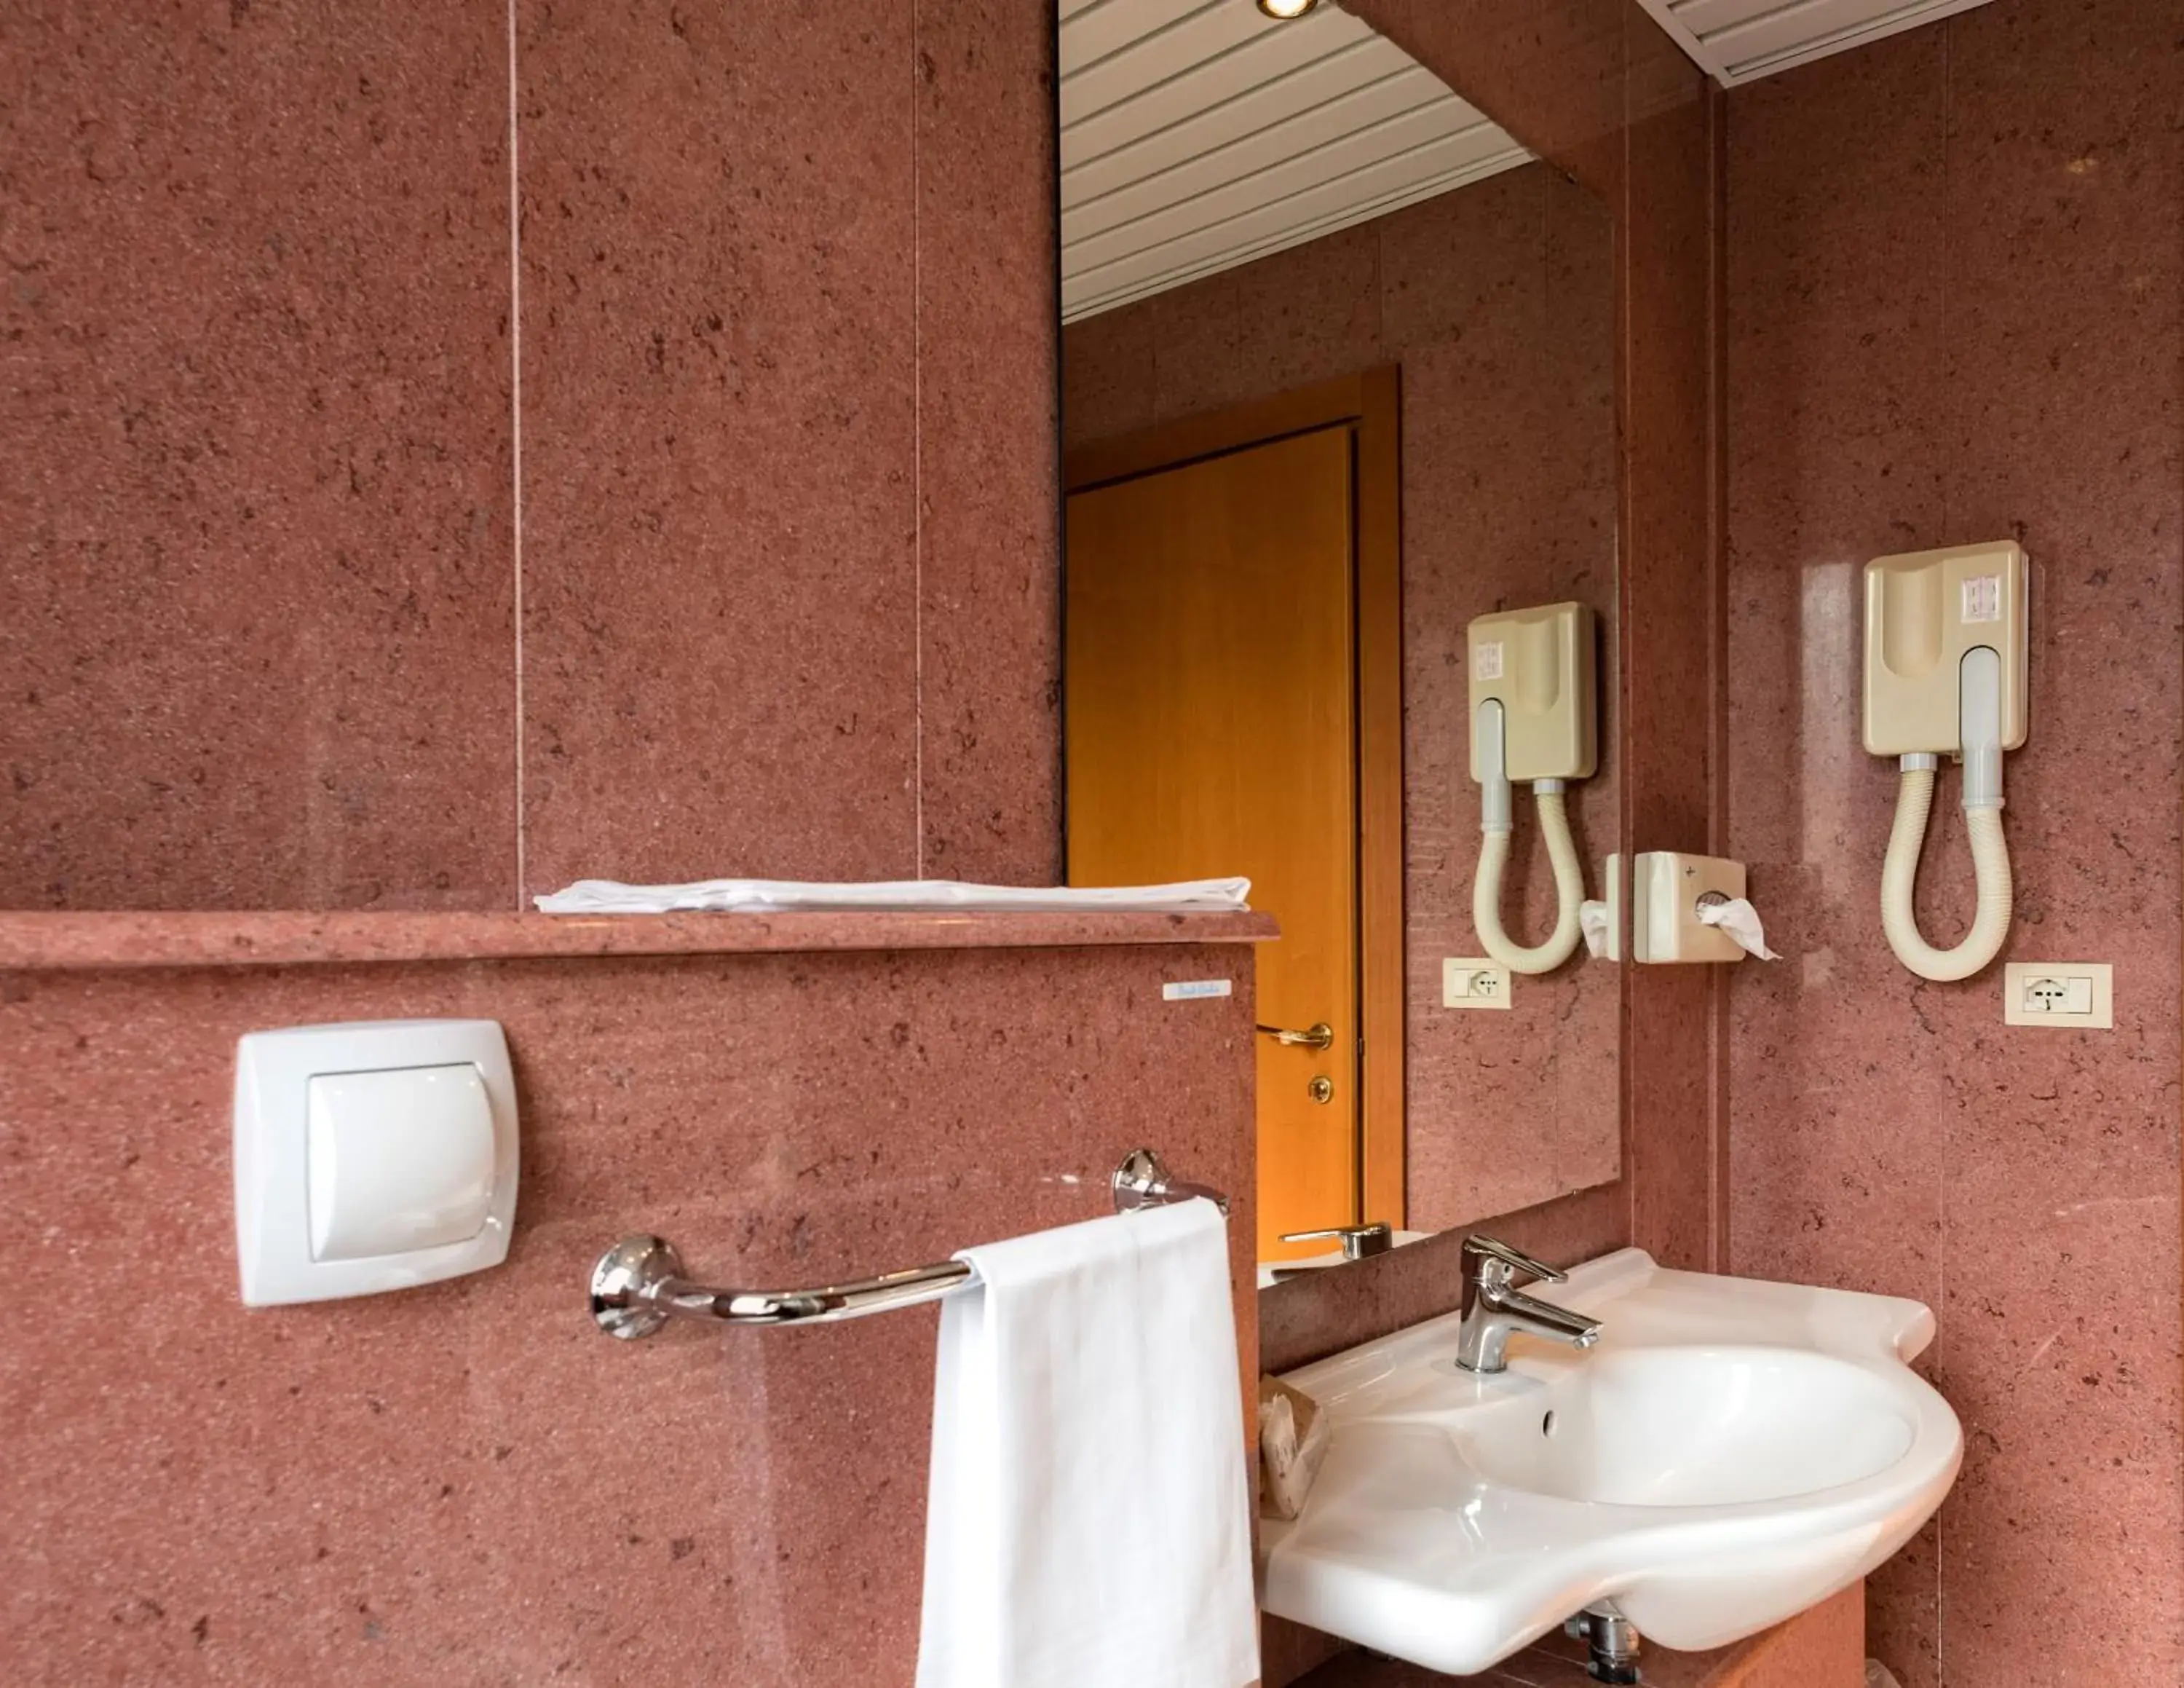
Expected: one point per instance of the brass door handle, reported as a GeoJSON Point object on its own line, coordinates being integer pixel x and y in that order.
{"type": "Point", "coordinates": [1318, 1036]}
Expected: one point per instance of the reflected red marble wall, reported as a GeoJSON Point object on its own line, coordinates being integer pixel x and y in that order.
{"type": "Point", "coordinates": [1957, 313]}
{"type": "Point", "coordinates": [1597, 89]}
{"type": "Point", "coordinates": [1498, 302]}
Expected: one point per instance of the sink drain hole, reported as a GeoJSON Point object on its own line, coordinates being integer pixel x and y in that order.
{"type": "Point", "coordinates": [1547, 1424]}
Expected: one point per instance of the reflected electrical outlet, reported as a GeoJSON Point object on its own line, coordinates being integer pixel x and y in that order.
{"type": "Point", "coordinates": [1473, 982]}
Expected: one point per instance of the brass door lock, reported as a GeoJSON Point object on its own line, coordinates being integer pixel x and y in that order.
{"type": "Point", "coordinates": [1320, 1090]}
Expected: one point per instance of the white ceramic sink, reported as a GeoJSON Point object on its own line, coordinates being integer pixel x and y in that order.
{"type": "Point", "coordinates": [1731, 1453]}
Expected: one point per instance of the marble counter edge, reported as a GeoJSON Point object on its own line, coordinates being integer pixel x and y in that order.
{"type": "Point", "coordinates": [38, 941]}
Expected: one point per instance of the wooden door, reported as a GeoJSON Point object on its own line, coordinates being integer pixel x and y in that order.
{"type": "Point", "coordinates": [1211, 729]}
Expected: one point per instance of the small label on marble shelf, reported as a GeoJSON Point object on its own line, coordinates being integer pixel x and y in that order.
{"type": "Point", "coordinates": [1190, 990]}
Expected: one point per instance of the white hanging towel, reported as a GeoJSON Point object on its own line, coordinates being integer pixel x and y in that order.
{"type": "Point", "coordinates": [778, 896]}
{"type": "Point", "coordinates": [1087, 1525]}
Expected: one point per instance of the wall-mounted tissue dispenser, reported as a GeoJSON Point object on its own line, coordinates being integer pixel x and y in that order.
{"type": "Point", "coordinates": [1678, 906]}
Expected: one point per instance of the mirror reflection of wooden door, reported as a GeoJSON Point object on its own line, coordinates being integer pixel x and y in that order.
{"type": "Point", "coordinates": [1211, 729]}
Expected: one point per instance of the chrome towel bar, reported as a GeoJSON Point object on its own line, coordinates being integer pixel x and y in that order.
{"type": "Point", "coordinates": [639, 1285]}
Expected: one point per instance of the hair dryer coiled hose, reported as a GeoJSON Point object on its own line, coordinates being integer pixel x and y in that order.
{"type": "Point", "coordinates": [1899, 874]}
{"type": "Point", "coordinates": [1569, 891]}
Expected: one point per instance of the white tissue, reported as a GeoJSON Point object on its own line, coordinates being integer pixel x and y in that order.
{"type": "Point", "coordinates": [774, 896]}
{"type": "Point", "coordinates": [1592, 921]}
{"type": "Point", "coordinates": [1740, 921]}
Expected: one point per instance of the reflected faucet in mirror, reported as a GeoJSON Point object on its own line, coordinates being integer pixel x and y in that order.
{"type": "Point", "coordinates": [1358, 1242]}
{"type": "Point", "coordinates": [1352, 1242]}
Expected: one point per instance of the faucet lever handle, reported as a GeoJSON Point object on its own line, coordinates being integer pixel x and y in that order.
{"type": "Point", "coordinates": [1358, 1241]}
{"type": "Point", "coordinates": [1482, 1254]}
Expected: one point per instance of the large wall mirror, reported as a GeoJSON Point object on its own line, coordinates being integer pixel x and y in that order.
{"type": "Point", "coordinates": [1339, 419]}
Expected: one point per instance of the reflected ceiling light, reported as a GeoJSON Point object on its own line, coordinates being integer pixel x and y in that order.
{"type": "Point", "coordinates": [1283, 10]}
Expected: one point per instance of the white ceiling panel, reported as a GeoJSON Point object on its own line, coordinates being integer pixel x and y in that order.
{"type": "Point", "coordinates": [1739, 41]}
{"type": "Point", "coordinates": [1099, 69]}
{"type": "Point", "coordinates": [1199, 134]}
{"type": "Point", "coordinates": [1419, 143]}
{"type": "Point", "coordinates": [1316, 146]}
{"type": "Point", "coordinates": [1323, 38]}
{"type": "Point", "coordinates": [1174, 121]}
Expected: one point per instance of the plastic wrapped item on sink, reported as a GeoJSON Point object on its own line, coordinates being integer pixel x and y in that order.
{"type": "Point", "coordinates": [1292, 1438]}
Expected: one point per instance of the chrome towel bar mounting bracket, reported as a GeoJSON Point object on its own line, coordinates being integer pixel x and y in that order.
{"type": "Point", "coordinates": [638, 1284]}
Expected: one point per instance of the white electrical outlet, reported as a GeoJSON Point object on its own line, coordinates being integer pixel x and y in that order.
{"type": "Point", "coordinates": [2059, 994]}
{"type": "Point", "coordinates": [1473, 982]}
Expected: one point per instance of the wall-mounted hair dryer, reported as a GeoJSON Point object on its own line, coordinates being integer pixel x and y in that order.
{"type": "Point", "coordinates": [1534, 710]}
{"type": "Point", "coordinates": [1945, 675]}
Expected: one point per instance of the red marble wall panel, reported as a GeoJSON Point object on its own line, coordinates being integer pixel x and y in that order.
{"type": "Point", "coordinates": [1498, 302]}
{"type": "Point", "coordinates": [255, 574]}
{"type": "Point", "coordinates": [988, 512]}
{"type": "Point", "coordinates": [787, 559]}
{"type": "Point", "coordinates": [468, 1482]}
{"type": "Point", "coordinates": [789, 546]}
{"type": "Point", "coordinates": [720, 443]}
{"type": "Point", "coordinates": [1956, 313]}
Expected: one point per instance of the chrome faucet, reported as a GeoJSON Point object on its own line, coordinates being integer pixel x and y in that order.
{"type": "Point", "coordinates": [1492, 1309]}
{"type": "Point", "coordinates": [1358, 1243]}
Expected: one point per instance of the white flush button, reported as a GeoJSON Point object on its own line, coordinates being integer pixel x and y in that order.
{"type": "Point", "coordinates": [399, 1160]}
{"type": "Point", "coordinates": [371, 1157]}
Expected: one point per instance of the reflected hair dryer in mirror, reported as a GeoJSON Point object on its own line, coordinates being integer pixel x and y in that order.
{"type": "Point", "coordinates": [1533, 706]}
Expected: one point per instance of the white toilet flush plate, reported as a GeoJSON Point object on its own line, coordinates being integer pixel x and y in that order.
{"type": "Point", "coordinates": [371, 1157]}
